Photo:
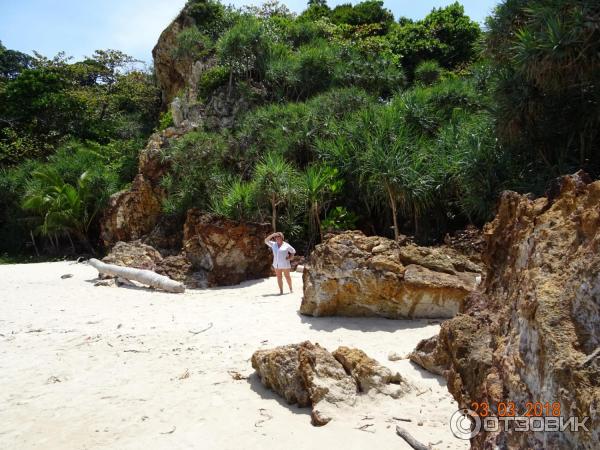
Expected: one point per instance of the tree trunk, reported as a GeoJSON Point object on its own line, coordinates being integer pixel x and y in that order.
{"type": "Point", "coordinates": [273, 214]}
{"type": "Point", "coordinates": [143, 276]}
{"type": "Point", "coordinates": [37, 252]}
{"type": "Point", "coordinates": [416, 220]}
{"type": "Point", "coordinates": [410, 440]}
{"type": "Point", "coordinates": [71, 242]}
{"type": "Point", "coordinates": [318, 221]}
{"type": "Point", "coordinates": [230, 85]}
{"type": "Point", "coordinates": [394, 213]}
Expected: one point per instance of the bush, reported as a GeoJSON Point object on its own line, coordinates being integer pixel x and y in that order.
{"type": "Point", "coordinates": [165, 120]}
{"type": "Point", "coordinates": [428, 72]}
{"type": "Point", "coordinates": [192, 43]}
{"type": "Point", "coordinates": [211, 79]}
{"type": "Point", "coordinates": [197, 161]}
{"type": "Point", "coordinates": [211, 16]}
{"type": "Point", "coordinates": [446, 35]}
{"type": "Point", "coordinates": [377, 72]}
{"type": "Point", "coordinates": [236, 199]}
{"type": "Point", "coordinates": [292, 129]}
{"type": "Point", "coordinates": [244, 49]}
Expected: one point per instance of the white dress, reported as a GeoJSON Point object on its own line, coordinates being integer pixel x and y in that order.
{"type": "Point", "coordinates": [280, 254]}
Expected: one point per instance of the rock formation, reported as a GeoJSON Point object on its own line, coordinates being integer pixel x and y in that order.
{"type": "Point", "coordinates": [215, 252]}
{"type": "Point", "coordinates": [354, 275]}
{"type": "Point", "coordinates": [134, 254]}
{"type": "Point", "coordinates": [308, 374]}
{"type": "Point", "coordinates": [134, 212]}
{"type": "Point", "coordinates": [229, 251]}
{"type": "Point", "coordinates": [531, 331]}
{"type": "Point", "coordinates": [369, 374]}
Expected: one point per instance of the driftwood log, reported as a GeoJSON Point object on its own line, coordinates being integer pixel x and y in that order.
{"type": "Point", "coordinates": [410, 440]}
{"type": "Point", "coordinates": [143, 276]}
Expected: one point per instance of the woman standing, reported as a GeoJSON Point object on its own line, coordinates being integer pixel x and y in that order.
{"type": "Point", "coordinates": [282, 253]}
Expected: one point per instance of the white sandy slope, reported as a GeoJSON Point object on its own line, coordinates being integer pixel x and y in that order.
{"type": "Point", "coordinates": [85, 367]}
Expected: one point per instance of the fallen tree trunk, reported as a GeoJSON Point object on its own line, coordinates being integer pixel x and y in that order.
{"type": "Point", "coordinates": [410, 440]}
{"type": "Point", "coordinates": [143, 276]}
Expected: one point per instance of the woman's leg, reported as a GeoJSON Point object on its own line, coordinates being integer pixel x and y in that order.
{"type": "Point", "coordinates": [288, 278]}
{"type": "Point", "coordinates": [279, 280]}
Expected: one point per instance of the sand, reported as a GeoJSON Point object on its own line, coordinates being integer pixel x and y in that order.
{"type": "Point", "coordinates": [87, 367]}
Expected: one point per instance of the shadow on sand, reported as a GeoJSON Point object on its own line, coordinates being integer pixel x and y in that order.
{"type": "Point", "coordinates": [128, 286]}
{"type": "Point", "coordinates": [365, 324]}
{"type": "Point", "coordinates": [237, 286]}
{"type": "Point", "coordinates": [428, 375]}
{"type": "Point", "coordinates": [267, 394]}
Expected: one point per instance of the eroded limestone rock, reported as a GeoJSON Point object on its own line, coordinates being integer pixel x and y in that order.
{"type": "Point", "coordinates": [308, 374]}
{"type": "Point", "coordinates": [134, 254]}
{"type": "Point", "coordinates": [530, 332]}
{"type": "Point", "coordinates": [278, 369]}
{"type": "Point", "coordinates": [351, 274]}
{"type": "Point", "coordinates": [228, 251]}
{"type": "Point", "coordinates": [369, 374]}
{"type": "Point", "coordinates": [326, 381]}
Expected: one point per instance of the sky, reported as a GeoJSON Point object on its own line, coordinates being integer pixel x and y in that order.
{"type": "Point", "coordinates": [79, 27]}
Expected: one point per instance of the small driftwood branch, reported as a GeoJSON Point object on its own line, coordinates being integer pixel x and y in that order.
{"type": "Point", "coordinates": [210, 325]}
{"type": "Point", "coordinates": [410, 440]}
{"type": "Point", "coordinates": [143, 276]}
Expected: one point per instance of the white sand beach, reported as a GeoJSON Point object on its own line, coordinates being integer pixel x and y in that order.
{"type": "Point", "coordinates": [89, 367]}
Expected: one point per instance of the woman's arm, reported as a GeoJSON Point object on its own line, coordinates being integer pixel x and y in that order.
{"type": "Point", "coordinates": [291, 252]}
{"type": "Point", "coordinates": [269, 239]}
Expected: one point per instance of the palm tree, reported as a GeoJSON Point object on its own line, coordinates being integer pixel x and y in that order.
{"type": "Point", "coordinates": [391, 164]}
{"type": "Point", "coordinates": [276, 181]}
{"type": "Point", "coordinates": [235, 200]}
{"type": "Point", "coordinates": [319, 181]}
{"type": "Point", "coordinates": [62, 207]}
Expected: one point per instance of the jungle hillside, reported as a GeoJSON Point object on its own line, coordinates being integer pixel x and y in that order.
{"type": "Point", "coordinates": [337, 118]}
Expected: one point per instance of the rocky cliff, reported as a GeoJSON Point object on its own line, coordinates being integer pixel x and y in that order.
{"type": "Point", "coordinates": [531, 333]}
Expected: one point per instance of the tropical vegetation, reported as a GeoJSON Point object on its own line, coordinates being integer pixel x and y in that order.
{"type": "Point", "coordinates": [353, 119]}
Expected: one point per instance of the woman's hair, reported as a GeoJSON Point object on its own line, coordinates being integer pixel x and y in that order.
{"type": "Point", "coordinates": [279, 234]}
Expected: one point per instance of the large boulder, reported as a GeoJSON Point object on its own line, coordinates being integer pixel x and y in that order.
{"type": "Point", "coordinates": [307, 374]}
{"type": "Point", "coordinates": [530, 333]}
{"type": "Point", "coordinates": [227, 250]}
{"type": "Point", "coordinates": [132, 213]}
{"type": "Point", "coordinates": [134, 254]}
{"type": "Point", "coordinates": [351, 274]}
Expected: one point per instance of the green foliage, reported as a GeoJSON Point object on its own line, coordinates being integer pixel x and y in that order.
{"type": "Point", "coordinates": [12, 62]}
{"type": "Point", "coordinates": [292, 129]}
{"type": "Point", "coordinates": [446, 35]}
{"type": "Point", "coordinates": [350, 113]}
{"type": "Point", "coordinates": [193, 44]}
{"type": "Point", "coordinates": [58, 200]}
{"type": "Point", "coordinates": [165, 120]}
{"type": "Point", "coordinates": [244, 49]}
{"type": "Point", "coordinates": [369, 64]}
{"type": "Point", "coordinates": [196, 161]}
{"type": "Point", "coordinates": [277, 184]}
{"type": "Point", "coordinates": [236, 199]}
{"type": "Point", "coordinates": [211, 16]}
{"type": "Point", "coordinates": [54, 101]}
{"type": "Point", "coordinates": [364, 13]}
{"type": "Point", "coordinates": [547, 59]}
{"type": "Point", "coordinates": [339, 219]}
{"type": "Point", "coordinates": [320, 184]}
{"type": "Point", "coordinates": [61, 208]}
{"type": "Point", "coordinates": [212, 79]}
{"type": "Point", "coordinates": [428, 72]}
